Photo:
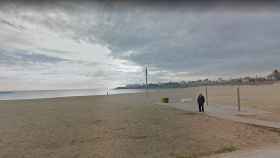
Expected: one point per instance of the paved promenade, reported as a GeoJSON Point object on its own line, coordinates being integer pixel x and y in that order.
{"type": "Point", "coordinates": [265, 152]}
{"type": "Point", "coordinates": [228, 112]}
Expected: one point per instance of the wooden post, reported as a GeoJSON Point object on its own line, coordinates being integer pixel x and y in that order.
{"type": "Point", "coordinates": [238, 98]}
{"type": "Point", "coordinates": [206, 95]}
{"type": "Point", "coordinates": [195, 89]}
{"type": "Point", "coordinates": [147, 85]}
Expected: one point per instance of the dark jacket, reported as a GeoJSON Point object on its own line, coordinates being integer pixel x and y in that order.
{"type": "Point", "coordinates": [200, 99]}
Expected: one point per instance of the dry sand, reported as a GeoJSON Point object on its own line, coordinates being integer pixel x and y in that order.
{"type": "Point", "coordinates": [122, 126]}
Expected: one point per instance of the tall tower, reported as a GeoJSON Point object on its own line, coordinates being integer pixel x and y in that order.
{"type": "Point", "coordinates": [146, 74]}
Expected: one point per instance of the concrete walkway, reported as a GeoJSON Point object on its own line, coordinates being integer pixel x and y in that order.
{"type": "Point", "coordinates": [231, 113]}
{"type": "Point", "coordinates": [228, 112]}
{"type": "Point", "coordinates": [265, 152]}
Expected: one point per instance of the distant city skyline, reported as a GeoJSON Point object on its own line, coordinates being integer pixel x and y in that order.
{"type": "Point", "coordinates": [271, 78]}
{"type": "Point", "coordinates": [88, 45]}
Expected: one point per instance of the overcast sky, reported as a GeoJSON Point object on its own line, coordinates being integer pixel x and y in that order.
{"type": "Point", "coordinates": [66, 45]}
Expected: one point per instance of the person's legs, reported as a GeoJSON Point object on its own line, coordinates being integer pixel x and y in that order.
{"type": "Point", "coordinates": [202, 107]}
{"type": "Point", "coordinates": [199, 106]}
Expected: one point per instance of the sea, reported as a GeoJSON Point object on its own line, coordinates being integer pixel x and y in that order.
{"type": "Point", "coordinates": [39, 94]}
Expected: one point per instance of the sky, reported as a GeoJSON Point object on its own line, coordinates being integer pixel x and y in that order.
{"type": "Point", "coordinates": [105, 44]}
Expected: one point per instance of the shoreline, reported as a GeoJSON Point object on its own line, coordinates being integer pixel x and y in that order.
{"type": "Point", "coordinates": [48, 94]}
{"type": "Point", "coordinates": [45, 94]}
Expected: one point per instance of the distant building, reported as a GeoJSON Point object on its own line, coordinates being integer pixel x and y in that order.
{"type": "Point", "coordinates": [235, 81]}
{"type": "Point", "coordinates": [246, 80]}
{"type": "Point", "coordinates": [275, 75]}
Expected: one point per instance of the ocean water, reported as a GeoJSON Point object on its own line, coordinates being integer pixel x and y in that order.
{"type": "Point", "coordinates": [20, 95]}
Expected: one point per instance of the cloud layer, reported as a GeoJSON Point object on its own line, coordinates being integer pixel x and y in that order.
{"type": "Point", "coordinates": [100, 45]}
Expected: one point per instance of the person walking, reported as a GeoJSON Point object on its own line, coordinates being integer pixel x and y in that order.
{"type": "Point", "coordinates": [200, 102]}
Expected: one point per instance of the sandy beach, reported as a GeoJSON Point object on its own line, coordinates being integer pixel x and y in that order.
{"type": "Point", "coordinates": [121, 79]}
{"type": "Point", "coordinates": [118, 126]}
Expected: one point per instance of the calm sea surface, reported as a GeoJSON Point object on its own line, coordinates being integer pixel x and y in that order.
{"type": "Point", "coordinates": [18, 95]}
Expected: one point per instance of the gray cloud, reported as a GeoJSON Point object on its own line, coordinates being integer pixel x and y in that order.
{"type": "Point", "coordinates": [21, 57]}
{"type": "Point", "coordinates": [173, 40]}
{"type": "Point", "coordinates": [11, 24]}
{"type": "Point", "coordinates": [177, 40]}
{"type": "Point", "coordinates": [214, 41]}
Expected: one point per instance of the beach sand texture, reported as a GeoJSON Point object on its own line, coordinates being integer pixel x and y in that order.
{"type": "Point", "coordinates": [121, 126]}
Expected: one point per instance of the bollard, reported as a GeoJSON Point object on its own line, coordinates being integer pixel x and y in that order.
{"type": "Point", "coordinates": [165, 100]}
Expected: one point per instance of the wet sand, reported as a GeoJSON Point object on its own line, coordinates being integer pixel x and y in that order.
{"type": "Point", "coordinates": [123, 126]}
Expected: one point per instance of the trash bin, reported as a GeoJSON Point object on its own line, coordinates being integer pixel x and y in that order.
{"type": "Point", "coordinates": [165, 100]}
